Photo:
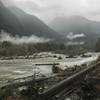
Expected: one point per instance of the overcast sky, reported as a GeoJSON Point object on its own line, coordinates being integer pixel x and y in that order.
{"type": "Point", "coordinates": [49, 9]}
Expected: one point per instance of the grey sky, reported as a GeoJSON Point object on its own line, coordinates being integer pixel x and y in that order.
{"type": "Point", "coordinates": [49, 9]}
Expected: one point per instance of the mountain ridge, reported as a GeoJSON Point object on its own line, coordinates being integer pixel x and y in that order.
{"type": "Point", "coordinates": [77, 25]}
{"type": "Point", "coordinates": [63, 22]}
{"type": "Point", "coordinates": [18, 22]}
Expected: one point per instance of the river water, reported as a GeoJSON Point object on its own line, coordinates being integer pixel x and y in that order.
{"type": "Point", "coordinates": [17, 68]}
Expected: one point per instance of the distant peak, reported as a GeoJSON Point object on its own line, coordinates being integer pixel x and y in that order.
{"type": "Point", "coordinates": [78, 18]}
{"type": "Point", "coordinates": [71, 18]}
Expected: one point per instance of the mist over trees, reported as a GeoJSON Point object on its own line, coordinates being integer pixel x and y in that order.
{"type": "Point", "coordinates": [9, 49]}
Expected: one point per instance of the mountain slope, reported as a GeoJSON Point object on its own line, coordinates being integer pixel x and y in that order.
{"type": "Point", "coordinates": [77, 25]}
{"type": "Point", "coordinates": [8, 21]}
{"type": "Point", "coordinates": [17, 22]}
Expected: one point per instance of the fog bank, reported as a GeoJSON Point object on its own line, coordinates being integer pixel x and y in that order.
{"type": "Point", "coordinates": [4, 36]}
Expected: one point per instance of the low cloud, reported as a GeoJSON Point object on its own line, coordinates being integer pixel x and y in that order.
{"type": "Point", "coordinates": [72, 36]}
{"type": "Point", "coordinates": [4, 36]}
{"type": "Point", "coordinates": [76, 43]}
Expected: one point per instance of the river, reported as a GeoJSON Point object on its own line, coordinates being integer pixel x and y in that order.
{"type": "Point", "coordinates": [17, 68]}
